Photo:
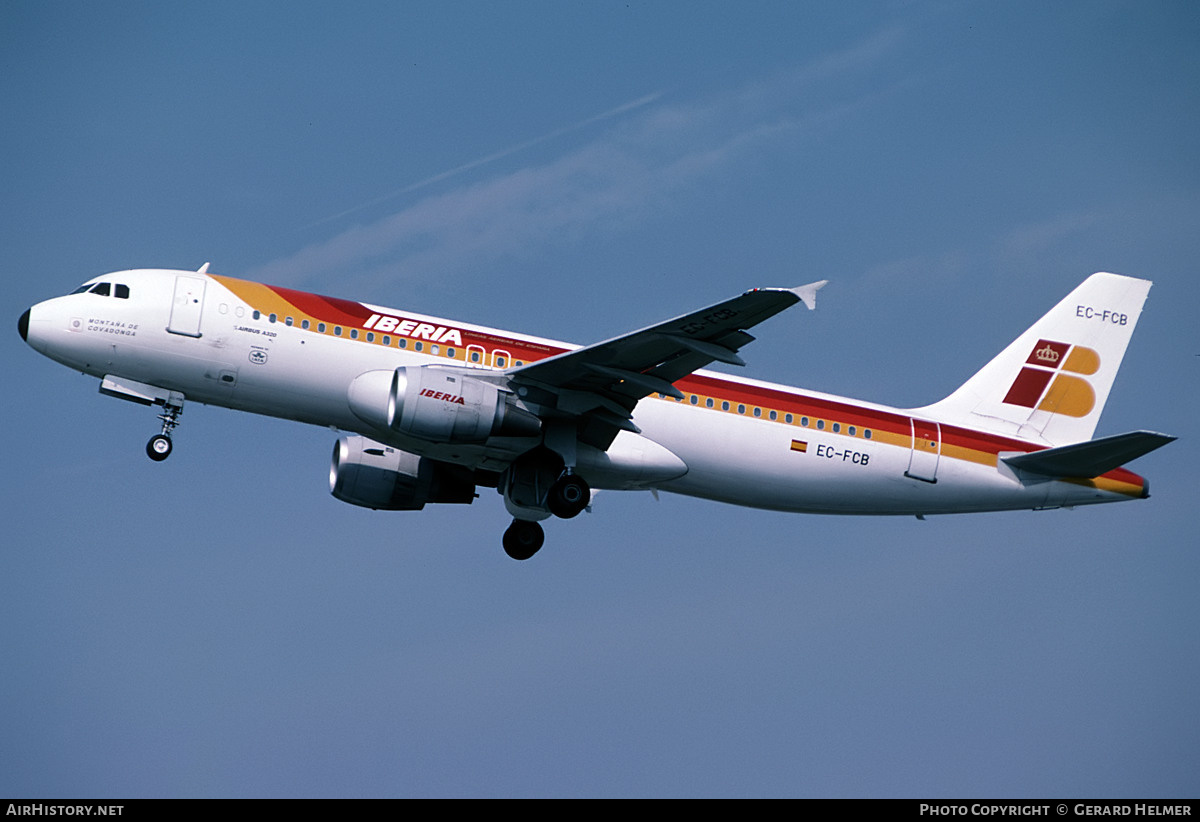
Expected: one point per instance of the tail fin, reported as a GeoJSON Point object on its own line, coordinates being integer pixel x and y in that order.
{"type": "Point", "coordinates": [1052, 382]}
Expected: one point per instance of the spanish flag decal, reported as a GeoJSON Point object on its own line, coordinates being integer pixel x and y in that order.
{"type": "Point", "coordinates": [799, 445]}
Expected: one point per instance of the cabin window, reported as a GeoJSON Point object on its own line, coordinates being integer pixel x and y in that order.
{"type": "Point", "coordinates": [725, 405]}
{"type": "Point", "coordinates": [403, 342]}
{"type": "Point", "coordinates": [418, 346]}
{"type": "Point", "coordinates": [758, 412]}
{"type": "Point", "coordinates": [518, 364]}
{"type": "Point", "coordinates": [433, 349]}
{"type": "Point", "coordinates": [257, 314]}
{"type": "Point", "coordinates": [337, 331]}
{"type": "Point", "coordinates": [741, 408]}
{"type": "Point", "coordinates": [321, 327]}
{"type": "Point", "coordinates": [820, 425]}
{"type": "Point", "coordinates": [694, 399]}
{"type": "Point", "coordinates": [867, 433]}
{"type": "Point", "coordinates": [708, 403]}
{"type": "Point", "coordinates": [774, 415]}
{"type": "Point", "coordinates": [474, 356]}
{"type": "Point", "coordinates": [272, 318]}
{"type": "Point", "coordinates": [289, 321]}
{"type": "Point", "coordinates": [788, 418]}
{"type": "Point", "coordinates": [837, 426]}
{"type": "Point", "coordinates": [304, 324]}
{"type": "Point", "coordinates": [370, 336]}
{"type": "Point", "coordinates": [501, 361]}
{"type": "Point", "coordinates": [122, 292]}
{"type": "Point", "coordinates": [804, 421]}
{"type": "Point", "coordinates": [387, 340]}
{"type": "Point", "coordinates": [450, 353]}
{"type": "Point", "coordinates": [850, 430]}
{"type": "Point", "coordinates": [354, 333]}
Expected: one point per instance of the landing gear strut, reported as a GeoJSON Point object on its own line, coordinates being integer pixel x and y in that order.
{"type": "Point", "coordinates": [159, 447]}
{"type": "Point", "coordinates": [523, 539]}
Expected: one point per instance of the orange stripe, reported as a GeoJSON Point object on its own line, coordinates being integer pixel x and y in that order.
{"type": "Point", "coordinates": [888, 428]}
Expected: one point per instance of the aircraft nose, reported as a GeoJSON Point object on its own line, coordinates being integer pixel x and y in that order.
{"type": "Point", "coordinates": [23, 325]}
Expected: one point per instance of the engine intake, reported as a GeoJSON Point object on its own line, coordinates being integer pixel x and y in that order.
{"type": "Point", "coordinates": [372, 475]}
{"type": "Point", "coordinates": [438, 405]}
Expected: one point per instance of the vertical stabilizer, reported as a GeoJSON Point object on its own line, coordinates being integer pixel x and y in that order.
{"type": "Point", "coordinates": [1051, 383]}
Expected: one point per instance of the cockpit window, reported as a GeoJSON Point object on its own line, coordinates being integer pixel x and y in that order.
{"type": "Point", "coordinates": [101, 288]}
{"type": "Point", "coordinates": [82, 288]}
{"type": "Point", "coordinates": [122, 292]}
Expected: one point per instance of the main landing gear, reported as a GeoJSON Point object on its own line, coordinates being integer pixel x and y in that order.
{"type": "Point", "coordinates": [159, 447]}
{"type": "Point", "coordinates": [523, 539]}
{"type": "Point", "coordinates": [567, 497]}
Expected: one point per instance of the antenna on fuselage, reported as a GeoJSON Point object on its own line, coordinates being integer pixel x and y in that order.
{"type": "Point", "coordinates": [203, 269]}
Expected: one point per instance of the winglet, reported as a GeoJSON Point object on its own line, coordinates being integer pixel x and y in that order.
{"type": "Point", "coordinates": [808, 293]}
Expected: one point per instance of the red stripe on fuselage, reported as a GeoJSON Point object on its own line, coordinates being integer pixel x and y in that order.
{"type": "Point", "coordinates": [347, 312]}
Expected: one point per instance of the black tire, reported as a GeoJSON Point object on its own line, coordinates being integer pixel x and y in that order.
{"type": "Point", "coordinates": [523, 539]}
{"type": "Point", "coordinates": [159, 447]}
{"type": "Point", "coordinates": [569, 496]}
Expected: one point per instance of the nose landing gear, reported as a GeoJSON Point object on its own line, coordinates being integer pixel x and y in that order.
{"type": "Point", "coordinates": [159, 447]}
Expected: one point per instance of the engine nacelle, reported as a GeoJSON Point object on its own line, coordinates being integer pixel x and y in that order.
{"type": "Point", "coordinates": [438, 405]}
{"type": "Point", "coordinates": [378, 476]}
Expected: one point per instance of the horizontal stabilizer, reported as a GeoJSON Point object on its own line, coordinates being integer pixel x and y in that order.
{"type": "Point", "coordinates": [1090, 459]}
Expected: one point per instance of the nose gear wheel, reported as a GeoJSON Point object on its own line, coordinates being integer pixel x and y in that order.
{"type": "Point", "coordinates": [159, 447]}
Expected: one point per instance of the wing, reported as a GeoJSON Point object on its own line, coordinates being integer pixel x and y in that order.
{"type": "Point", "coordinates": [602, 383]}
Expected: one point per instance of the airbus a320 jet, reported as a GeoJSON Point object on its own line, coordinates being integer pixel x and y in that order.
{"type": "Point", "coordinates": [437, 409]}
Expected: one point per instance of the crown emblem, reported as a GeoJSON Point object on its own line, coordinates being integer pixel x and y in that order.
{"type": "Point", "coordinates": [1046, 354]}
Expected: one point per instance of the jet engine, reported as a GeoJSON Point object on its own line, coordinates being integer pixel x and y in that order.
{"type": "Point", "coordinates": [377, 476]}
{"type": "Point", "coordinates": [438, 405]}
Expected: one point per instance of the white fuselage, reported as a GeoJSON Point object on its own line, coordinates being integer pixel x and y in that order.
{"type": "Point", "coordinates": [222, 342]}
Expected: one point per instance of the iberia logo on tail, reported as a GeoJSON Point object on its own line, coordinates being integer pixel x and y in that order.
{"type": "Point", "coordinates": [1067, 394]}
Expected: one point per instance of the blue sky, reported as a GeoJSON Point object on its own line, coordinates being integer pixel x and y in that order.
{"type": "Point", "coordinates": [218, 625]}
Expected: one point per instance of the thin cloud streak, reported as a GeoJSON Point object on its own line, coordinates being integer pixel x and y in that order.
{"type": "Point", "coordinates": [630, 170]}
{"type": "Point", "coordinates": [491, 158]}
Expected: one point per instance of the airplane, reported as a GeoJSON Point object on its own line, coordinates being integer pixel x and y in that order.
{"type": "Point", "coordinates": [434, 409]}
